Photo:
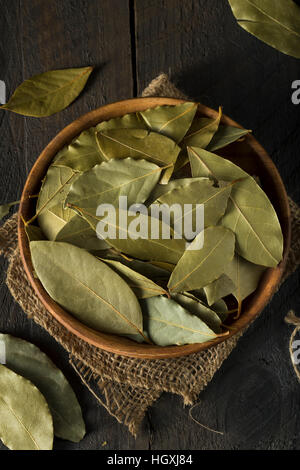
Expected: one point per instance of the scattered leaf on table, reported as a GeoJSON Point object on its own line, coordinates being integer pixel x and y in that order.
{"type": "Point", "coordinates": [92, 292]}
{"type": "Point", "coordinates": [30, 362]}
{"type": "Point", "coordinates": [197, 268]}
{"type": "Point", "coordinates": [167, 323]}
{"type": "Point", "coordinates": [226, 135]}
{"type": "Point", "coordinates": [197, 191]}
{"type": "Point", "coordinates": [25, 418]}
{"type": "Point", "coordinates": [106, 182]}
{"type": "Point", "coordinates": [78, 232]}
{"type": "Point", "coordinates": [49, 92]}
{"type": "Point", "coordinates": [245, 276]}
{"type": "Point", "coordinates": [5, 208]}
{"type": "Point", "coordinates": [219, 288]}
{"type": "Point", "coordinates": [275, 22]}
{"type": "Point", "coordinates": [195, 307]}
{"type": "Point", "coordinates": [138, 143]}
{"type": "Point", "coordinates": [249, 213]}
{"type": "Point", "coordinates": [123, 236]}
{"type": "Point", "coordinates": [141, 285]}
{"type": "Point", "coordinates": [171, 121]}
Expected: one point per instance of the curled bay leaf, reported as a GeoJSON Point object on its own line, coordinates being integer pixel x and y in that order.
{"type": "Point", "coordinates": [196, 307]}
{"type": "Point", "coordinates": [276, 23]}
{"type": "Point", "coordinates": [92, 291]}
{"type": "Point", "coordinates": [25, 418]}
{"type": "Point", "coordinates": [49, 92]}
{"type": "Point", "coordinates": [249, 213]}
{"type": "Point", "coordinates": [30, 362]}
{"type": "Point", "coordinates": [141, 285]}
{"type": "Point", "coordinates": [226, 135]}
{"type": "Point", "coordinates": [198, 267]}
{"type": "Point", "coordinates": [137, 143]}
{"type": "Point", "coordinates": [219, 288]}
{"type": "Point", "coordinates": [106, 182]}
{"type": "Point", "coordinates": [168, 323]}
{"type": "Point", "coordinates": [171, 121]}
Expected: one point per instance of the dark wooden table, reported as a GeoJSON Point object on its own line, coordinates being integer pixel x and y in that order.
{"type": "Point", "coordinates": [255, 397]}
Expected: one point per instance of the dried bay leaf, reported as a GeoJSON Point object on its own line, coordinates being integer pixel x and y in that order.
{"type": "Point", "coordinates": [82, 153]}
{"type": "Point", "coordinates": [144, 248]}
{"type": "Point", "coordinates": [53, 220]}
{"type": "Point", "coordinates": [161, 189]}
{"type": "Point", "coordinates": [198, 191]}
{"type": "Point", "coordinates": [195, 307]}
{"type": "Point", "coordinates": [202, 131]}
{"type": "Point", "coordinates": [25, 418]}
{"type": "Point", "coordinates": [92, 291]}
{"type": "Point", "coordinates": [30, 362]}
{"type": "Point", "coordinates": [34, 233]}
{"type": "Point", "coordinates": [49, 92]}
{"type": "Point", "coordinates": [128, 121]}
{"type": "Point", "coordinates": [249, 213]}
{"type": "Point", "coordinates": [5, 208]}
{"type": "Point", "coordinates": [197, 268]}
{"type": "Point", "coordinates": [141, 286]}
{"type": "Point", "coordinates": [226, 135]}
{"type": "Point", "coordinates": [106, 182]}
{"type": "Point", "coordinates": [171, 121]}
{"type": "Point", "coordinates": [55, 187]}
{"type": "Point", "coordinates": [245, 275]}
{"type": "Point", "coordinates": [153, 271]}
{"type": "Point", "coordinates": [138, 143]}
{"type": "Point", "coordinates": [219, 288]}
{"type": "Point", "coordinates": [78, 232]}
{"type": "Point", "coordinates": [277, 23]}
{"type": "Point", "coordinates": [168, 323]}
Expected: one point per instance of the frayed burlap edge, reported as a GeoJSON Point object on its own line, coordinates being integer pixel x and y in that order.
{"type": "Point", "coordinates": [127, 386]}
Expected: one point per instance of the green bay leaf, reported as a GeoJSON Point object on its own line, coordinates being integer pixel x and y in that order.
{"type": "Point", "coordinates": [249, 213]}
{"type": "Point", "coordinates": [171, 121]}
{"type": "Point", "coordinates": [277, 23]}
{"type": "Point", "coordinates": [30, 362]}
{"type": "Point", "coordinates": [49, 92]}
{"type": "Point", "coordinates": [25, 419]}
{"type": "Point", "coordinates": [167, 323]}
{"type": "Point", "coordinates": [198, 267]}
{"type": "Point", "coordinates": [92, 292]}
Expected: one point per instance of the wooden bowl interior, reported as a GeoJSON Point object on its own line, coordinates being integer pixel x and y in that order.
{"type": "Point", "coordinates": [248, 154]}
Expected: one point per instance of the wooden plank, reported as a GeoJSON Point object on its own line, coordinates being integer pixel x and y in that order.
{"type": "Point", "coordinates": [37, 36]}
{"type": "Point", "coordinates": [213, 60]}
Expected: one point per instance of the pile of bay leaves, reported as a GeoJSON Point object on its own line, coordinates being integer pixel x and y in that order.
{"type": "Point", "coordinates": [160, 291]}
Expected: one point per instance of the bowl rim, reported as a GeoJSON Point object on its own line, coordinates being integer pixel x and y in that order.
{"type": "Point", "coordinates": [113, 343]}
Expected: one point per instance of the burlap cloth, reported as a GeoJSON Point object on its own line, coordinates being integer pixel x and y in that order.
{"type": "Point", "coordinates": [127, 386]}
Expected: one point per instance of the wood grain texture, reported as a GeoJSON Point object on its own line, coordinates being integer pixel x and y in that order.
{"type": "Point", "coordinates": [212, 59]}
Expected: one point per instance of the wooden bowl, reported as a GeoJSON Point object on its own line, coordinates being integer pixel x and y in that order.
{"type": "Point", "coordinates": [248, 154]}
